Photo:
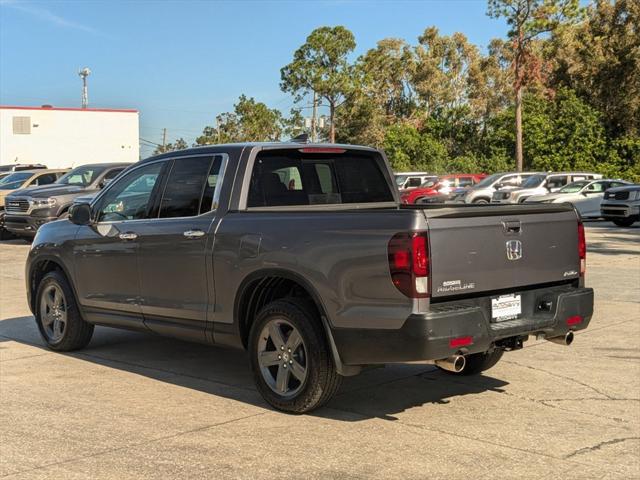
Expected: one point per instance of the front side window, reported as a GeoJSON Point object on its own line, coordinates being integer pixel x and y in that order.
{"type": "Point", "coordinates": [190, 187]}
{"type": "Point", "coordinates": [596, 187]}
{"type": "Point", "coordinates": [298, 177]}
{"type": "Point", "coordinates": [45, 179]}
{"type": "Point", "coordinates": [130, 197]}
{"type": "Point", "coordinates": [534, 181]}
{"type": "Point", "coordinates": [573, 187]}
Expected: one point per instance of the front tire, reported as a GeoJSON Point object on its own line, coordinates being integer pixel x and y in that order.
{"type": "Point", "coordinates": [481, 201]}
{"type": "Point", "coordinates": [624, 222]}
{"type": "Point", "coordinates": [479, 362]}
{"type": "Point", "coordinates": [290, 359]}
{"type": "Point", "coordinates": [57, 315]}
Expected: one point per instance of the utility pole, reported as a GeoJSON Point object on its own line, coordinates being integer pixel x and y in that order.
{"type": "Point", "coordinates": [164, 139]}
{"type": "Point", "coordinates": [314, 119]}
{"type": "Point", "coordinates": [218, 128]}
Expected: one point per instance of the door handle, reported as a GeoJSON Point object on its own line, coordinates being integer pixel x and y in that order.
{"type": "Point", "coordinates": [128, 236]}
{"type": "Point", "coordinates": [193, 233]}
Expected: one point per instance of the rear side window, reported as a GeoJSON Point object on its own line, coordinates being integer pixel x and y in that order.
{"type": "Point", "coordinates": [557, 182]}
{"type": "Point", "coordinates": [190, 187]}
{"type": "Point", "coordinates": [414, 182]}
{"type": "Point", "coordinates": [292, 177]}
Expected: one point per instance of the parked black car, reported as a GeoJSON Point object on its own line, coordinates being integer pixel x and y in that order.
{"type": "Point", "coordinates": [28, 209]}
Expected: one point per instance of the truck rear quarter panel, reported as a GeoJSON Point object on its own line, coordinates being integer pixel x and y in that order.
{"type": "Point", "coordinates": [341, 254]}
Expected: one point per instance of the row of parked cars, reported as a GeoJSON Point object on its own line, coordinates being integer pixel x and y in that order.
{"type": "Point", "coordinates": [591, 195]}
{"type": "Point", "coordinates": [35, 195]}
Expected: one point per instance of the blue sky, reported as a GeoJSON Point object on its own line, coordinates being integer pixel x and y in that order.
{"type": "Point", "coordinates": [182, 63]}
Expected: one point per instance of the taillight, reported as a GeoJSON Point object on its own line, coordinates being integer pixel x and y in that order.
{"type": "Point", "coordinates": [409, 263]}
{"type": "Point", "coordinates": [582, 249]}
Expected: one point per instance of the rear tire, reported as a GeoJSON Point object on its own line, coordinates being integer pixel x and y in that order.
{"type": "Point", "coordinates": [481, 201]}
{"type": "Point", "coordinates": [57, 315]}
{"type": "Point", "coordinates": [290, 358]}
{"type": "Point", "coordinates": [479, 362]}
{"type": "Point", "coordinates": [624, 222]}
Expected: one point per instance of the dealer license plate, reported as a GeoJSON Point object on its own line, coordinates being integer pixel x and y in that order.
{"type": "Point", "coordinates": [506, 307]}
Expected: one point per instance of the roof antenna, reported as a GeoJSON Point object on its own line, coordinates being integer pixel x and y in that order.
{"type": "Point", "coordinates": [302, 138]}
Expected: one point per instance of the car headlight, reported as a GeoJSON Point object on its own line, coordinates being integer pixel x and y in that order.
{"type": "Point", "coordinates": [43, 202]}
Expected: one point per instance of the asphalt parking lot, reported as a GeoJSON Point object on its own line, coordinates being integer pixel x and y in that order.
{"type": "Point", "coordinates": [138, 406]}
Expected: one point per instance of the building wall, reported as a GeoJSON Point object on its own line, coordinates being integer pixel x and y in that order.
{"type": "Point", "coordinates": [61, 138]}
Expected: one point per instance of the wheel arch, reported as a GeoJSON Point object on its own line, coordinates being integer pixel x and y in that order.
{"type": "Point", "coordinates": [38, 269]}
{"type": "Point", "coordinates": [264, 286]}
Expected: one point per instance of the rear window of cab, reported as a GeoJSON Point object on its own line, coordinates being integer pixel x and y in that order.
{"type": "Point", "coordinates": [309, 176]}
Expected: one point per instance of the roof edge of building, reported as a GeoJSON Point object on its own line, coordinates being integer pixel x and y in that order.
{"type": "Point", "coordinates": [69, 109]}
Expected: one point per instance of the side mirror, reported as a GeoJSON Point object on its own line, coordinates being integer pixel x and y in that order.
{"type": "Point", "coordinates": [498, 186]}
{"type": "Point", "coordinates": [80, 213]}
{"type": "Point", "coordinates": [105, 182]}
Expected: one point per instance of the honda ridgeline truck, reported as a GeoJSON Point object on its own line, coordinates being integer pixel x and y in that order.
{"type": "Point", "coordinates": [303, 255]}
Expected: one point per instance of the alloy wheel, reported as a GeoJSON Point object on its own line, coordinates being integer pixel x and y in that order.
{"type": "Point", "coordinates": [53, 313]}
{"type": "Point", "coordinates": [282, 357]}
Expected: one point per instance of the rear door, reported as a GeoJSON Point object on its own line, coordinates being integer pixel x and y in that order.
{"type": "Point", "coordinates": [175, 267]}
{"type": "Point", "coordinates": [473, 254]}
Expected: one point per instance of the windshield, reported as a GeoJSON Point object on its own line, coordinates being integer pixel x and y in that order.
{"type": "Point", "coordinates": [489, 180]}
{"type": "Point", "coordinates": [13, 181]}
{"type": "Point", "coordinates": [81, 176]}
{"type": "Point", "coordinates": [533, 181]}
{"type": "Point", "coordinates": [429, 183]}
{"type": "Point", "coordinates": [400, 179]}
{"type": "Point", "coordinates": [573, 187]}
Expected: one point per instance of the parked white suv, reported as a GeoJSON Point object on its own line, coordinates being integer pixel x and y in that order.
{"type": "Point", "coordinates": [541, 184]}
{"type": "Point", "coordinates": [406, 180]}
{"type": "Point", "coordinates": [483, 191]}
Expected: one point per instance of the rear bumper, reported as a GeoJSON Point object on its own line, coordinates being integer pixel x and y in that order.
{"type": "Point", "coordinates": [428, 336]}
{"type": "Point", "coordinates": [25, 225]}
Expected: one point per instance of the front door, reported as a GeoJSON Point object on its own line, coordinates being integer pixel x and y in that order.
{"type": "Point", "coordinates": [176, 277]}
{"type": "Point", "coordinates": [106, 252]}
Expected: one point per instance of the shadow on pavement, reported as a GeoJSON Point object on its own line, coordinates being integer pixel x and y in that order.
{"type": "Point", "coordinates": [376, 393]}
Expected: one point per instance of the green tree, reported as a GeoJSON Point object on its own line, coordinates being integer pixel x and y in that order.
{"type": "Point", "coordinates": [564, 133]}
{"type": "Point", "coordinates": [528, 19]}
{"type": "Point", "coordinates": [180, 144]}
{"type": "Point", "coordinates": [600, 59]}
{"type": "Point", "coordinates": [321, 65]}
{"type": "Point", "coordinates": [442, 68]}
{"type": "Point", "coordinates": [250, 121]}
{"type": "Point", "coordinates": [409, 149]}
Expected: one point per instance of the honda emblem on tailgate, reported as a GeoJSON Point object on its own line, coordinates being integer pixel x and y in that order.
{"type": "Point", "coordinates": [514, 249]}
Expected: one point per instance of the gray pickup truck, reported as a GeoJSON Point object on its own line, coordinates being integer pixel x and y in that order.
{"type": "Point", "coordinates": [303, 255]}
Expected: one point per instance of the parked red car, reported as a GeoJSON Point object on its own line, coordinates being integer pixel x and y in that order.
{"type": "Point", "coordinates": [440, 189]}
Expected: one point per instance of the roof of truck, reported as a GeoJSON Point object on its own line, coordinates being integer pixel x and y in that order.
{"type": "Point", "coordinates": [238, 147]}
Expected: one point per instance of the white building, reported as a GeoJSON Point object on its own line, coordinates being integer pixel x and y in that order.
{"type": "Point", "coordinates": [67, 137]}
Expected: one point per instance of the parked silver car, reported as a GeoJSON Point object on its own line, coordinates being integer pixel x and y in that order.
{"type": "Point", "coordinates": [541, 184]}
{"type": "Point", "coordinates": [584, 195]}
{"type": "Point", "coordinates": [483, 191]}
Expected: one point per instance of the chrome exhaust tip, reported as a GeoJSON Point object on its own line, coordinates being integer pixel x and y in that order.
{"type": "Point", "coordinates": [455, 363]}
{"type": "Point", "coordinates": [566, 340]}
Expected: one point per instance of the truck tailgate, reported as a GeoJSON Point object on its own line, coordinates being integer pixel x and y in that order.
{"type": "Point", "coordinates": [499, 248]}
